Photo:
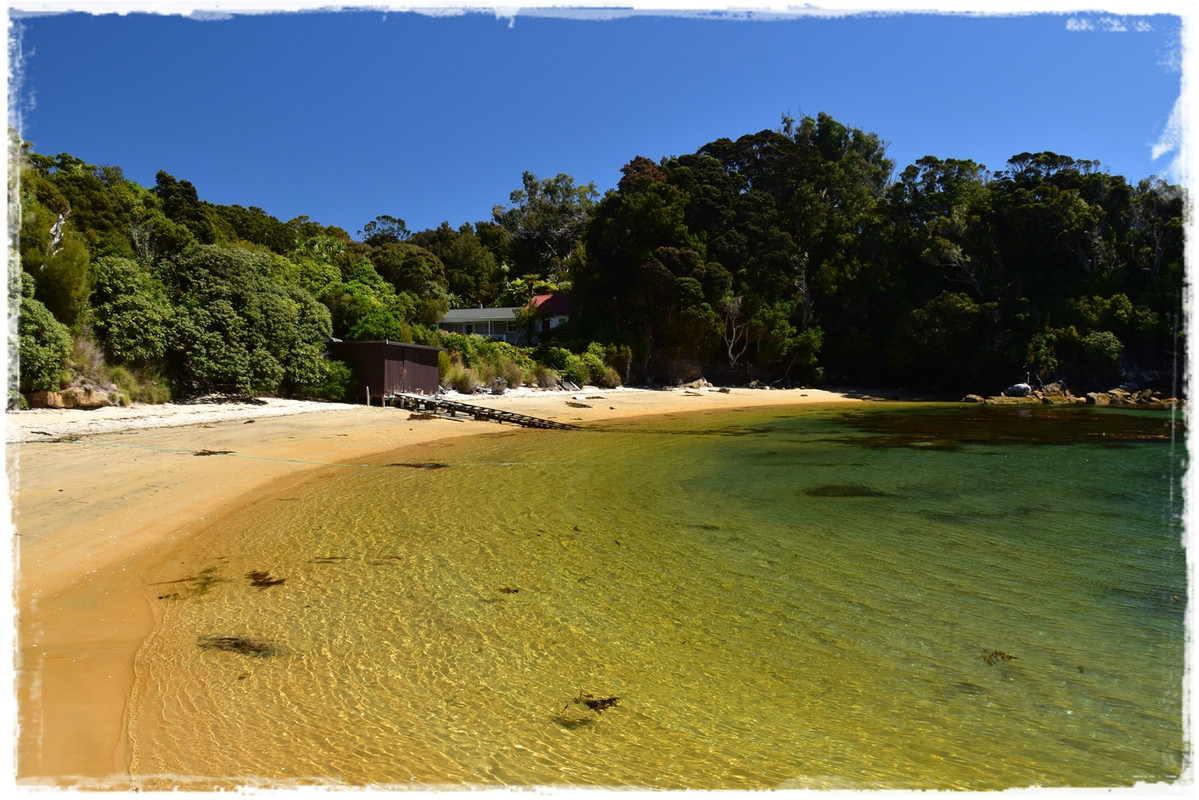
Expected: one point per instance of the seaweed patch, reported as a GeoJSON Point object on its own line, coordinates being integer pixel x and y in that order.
{"type": "Point", "coordinates": [596, 704]}
{"type": "Point", "coordinates": [262, 579]}
{"type": "Point", "coordinates": [242, 645]}
{"type": "Point", "coordinates": [993, 657]}
{"type": "Point", "coordinates": [196, 584]}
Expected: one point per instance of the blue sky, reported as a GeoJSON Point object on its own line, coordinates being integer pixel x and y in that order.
{"type": "Point", "coordinates": [345, 116]}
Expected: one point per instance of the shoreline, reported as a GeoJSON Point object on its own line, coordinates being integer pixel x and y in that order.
{"type": "Point", "coordinates": [100, 497]}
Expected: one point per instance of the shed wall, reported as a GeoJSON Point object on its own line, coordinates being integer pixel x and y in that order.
{"type": "Point", "coordinates": [386, 368]}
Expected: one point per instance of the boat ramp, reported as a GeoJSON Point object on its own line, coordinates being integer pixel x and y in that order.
{"type": "Point", "coordinates": [432, 404]}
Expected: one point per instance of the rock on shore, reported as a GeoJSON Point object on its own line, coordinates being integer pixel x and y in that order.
{"type": "Point", "coordinates": [1058, 395]}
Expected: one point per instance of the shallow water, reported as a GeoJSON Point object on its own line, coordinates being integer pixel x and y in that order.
{"type": "Point", "coordinates": [883, 597]}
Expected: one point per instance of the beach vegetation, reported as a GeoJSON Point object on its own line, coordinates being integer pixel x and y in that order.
{"type": "Point", "coordinates": [794, 255]}
{"type": "Point", "coordinates": [44, 345]}
{"type": "Point", "coordinates": [463, 380]}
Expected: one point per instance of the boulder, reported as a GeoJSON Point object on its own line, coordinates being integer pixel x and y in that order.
{"type": "Point", "coordinates": [1098, 399]}
{"type": "Point", "coordinates": [73, 397]}
{"type": "Point", "coordinates": [46, 400]}
{"type": "Point", "coordinates": [973, 398]}
{"type": "Point", "coordinates": [85, 397]}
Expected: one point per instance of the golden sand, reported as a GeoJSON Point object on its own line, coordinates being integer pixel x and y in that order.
{"type": "Point", "coordinates": [98, 496]}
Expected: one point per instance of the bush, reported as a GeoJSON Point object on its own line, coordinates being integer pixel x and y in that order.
{"type": "Point", "coordinates": [44, 345]}
{"type": "Point", "coordinates": [334, 381]}
{"type": "Point", "coordinates": [610, 379]}
{"type": "Point", "coordinates": [543, 377]}
{"type": "Point", "coordinates": [576, 370]}
{"type": "Point", "coordinates": [511, 372]}
{"type": "Point", "coordinates": [130, 310]}
{"type": "Point", "coordinates": [463, 380]}
{"type": "Point", "coordinates": [140, 385]}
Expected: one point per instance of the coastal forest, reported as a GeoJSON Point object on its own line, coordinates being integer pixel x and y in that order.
{"type": "Point", "coordinates": [799, 255]}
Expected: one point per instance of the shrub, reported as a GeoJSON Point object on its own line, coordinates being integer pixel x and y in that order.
{"type": "Point", "coordinates": [511, 372]}
{"type": "Point", "coordinates": [1102, 349]}
{"type": "Point", "coordinates": [130, 310]}
{"type": "Point", "coordinates": [44, 345]}
{"type": "Point", "coordinates": [463, 380]}
{"type": "Point", "coordinates": [333, 381]}
{"type": "Point", "coordinates": [543, 377]}
{"type": "Point", "coordinates": [576, 370]}
{"type": "Point", "coordinates": [610, 379]}
{"type": "Point", "coordinates": [594, 364]}
{"type": "Point", "coordinates": [553, 356]}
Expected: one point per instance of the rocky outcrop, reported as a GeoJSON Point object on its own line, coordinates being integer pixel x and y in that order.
{"type": "Point", "coordinates": [1146, 398]}
{"type": "Point", "coordinates": [80, 393]}
{"type": "Point", "coordinates": [1057, 394]}
{"type": "Point", "coordinates": [74, 397]}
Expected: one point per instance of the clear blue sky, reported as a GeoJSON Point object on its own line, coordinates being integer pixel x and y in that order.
{"type": "Point", "coordinates": [345, 116]}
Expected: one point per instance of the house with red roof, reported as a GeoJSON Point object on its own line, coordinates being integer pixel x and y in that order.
{"type": "Point", "coordinates": [551, 311]}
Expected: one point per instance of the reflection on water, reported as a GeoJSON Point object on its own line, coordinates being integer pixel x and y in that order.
{"type": "Point", "coordinates": [777, 600]}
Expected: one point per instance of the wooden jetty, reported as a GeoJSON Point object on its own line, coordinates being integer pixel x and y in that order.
{"type": "Point", "coordinates": [438, 405]}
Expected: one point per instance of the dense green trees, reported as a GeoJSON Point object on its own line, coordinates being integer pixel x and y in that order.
{"type": "Point", "coordinates": [813, 260]}
{"type": "Point", "coordinates": [544, 223]}
{"type": "Point", "coordinates": [796, 254]}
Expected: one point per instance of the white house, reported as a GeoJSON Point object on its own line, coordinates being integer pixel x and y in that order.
{"type": "Point", "coordinates": [553, 310]}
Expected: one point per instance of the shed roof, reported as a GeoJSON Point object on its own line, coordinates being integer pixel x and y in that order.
{"type": "Point", "coordinates": [408, 345]}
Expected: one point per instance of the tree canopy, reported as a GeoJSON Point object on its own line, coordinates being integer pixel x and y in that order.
{"type": "Point", "coordinates": [797, 253]}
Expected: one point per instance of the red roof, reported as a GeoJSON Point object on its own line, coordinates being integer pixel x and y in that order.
{"type": "Point", "coordinates": [554, 305]}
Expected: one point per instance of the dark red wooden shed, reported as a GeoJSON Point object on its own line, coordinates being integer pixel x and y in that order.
{"type": "Point", "coordinates": [386, 368]}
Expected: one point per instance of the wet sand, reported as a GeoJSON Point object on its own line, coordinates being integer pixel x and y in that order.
{"type": "Point", "coordinates": [98, 497]}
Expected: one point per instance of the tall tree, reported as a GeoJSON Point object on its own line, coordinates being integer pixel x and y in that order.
{"type": "Point", "coordinates": [545, 221]}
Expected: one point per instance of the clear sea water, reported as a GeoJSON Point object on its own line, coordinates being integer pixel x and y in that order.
{"type": "Point", "coordinates": [880, 596]}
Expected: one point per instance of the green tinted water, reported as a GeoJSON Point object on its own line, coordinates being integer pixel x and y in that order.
{"type": "Point", "coordinates": [798, 599]}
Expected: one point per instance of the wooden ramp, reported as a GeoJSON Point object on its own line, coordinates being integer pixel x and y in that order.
{"type": "Point", "coordinates": [438, 405]}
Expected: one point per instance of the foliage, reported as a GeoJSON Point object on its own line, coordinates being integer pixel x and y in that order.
{"type": "Point", "coordinates": [44, 346]}
{"type": "Point", "coordinates": [236, 329]}
{"type": "Point", "coordinates": [130, 311]}
{"type": "Point", "coordinates": [788, 254]}
{"type": "Point", "coordinates": [545, 223]}
{"type": "Point", "coordinates": [472, 273]}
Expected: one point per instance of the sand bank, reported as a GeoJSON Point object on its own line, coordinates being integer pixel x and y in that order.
{"type": "Point", "coordinates": [99, 496]}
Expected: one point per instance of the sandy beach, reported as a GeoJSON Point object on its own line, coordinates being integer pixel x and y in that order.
{"type": "Point", "coordinates": [99, 496]}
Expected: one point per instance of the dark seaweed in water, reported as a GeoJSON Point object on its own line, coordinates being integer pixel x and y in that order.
{"type": "Point", "coordinates": [843, 490]}
{"type": "Point", "coordinates": [596, 704]}
{"type": "Point", "coordinates": [432, 465]}
{"type": "Point", "coordinates": [263, 580]}
{"type": "Point", "coordinates": [995, 656]}
{"type": "Point", "coordinates": [948, 429]}
{"type": "Point", "coordinates": [242, 645]}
